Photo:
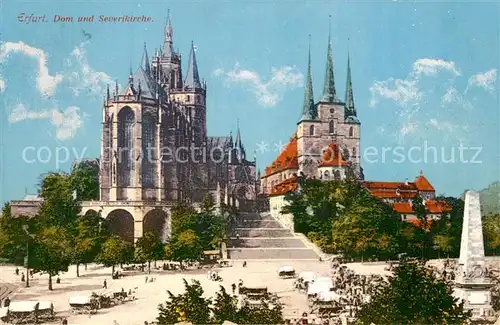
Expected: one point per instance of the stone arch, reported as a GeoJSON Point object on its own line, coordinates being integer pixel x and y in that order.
{"type": "Point", "coordinates": [125, 164]}
{"type": "Point", "coordinates": [157, 222]}
{"type": "Point", "coordinates": [336, 175]}
{"type": "Point", "coordinates": [326, 174]}
{"type": "Point", "coordinates": [121, 222]}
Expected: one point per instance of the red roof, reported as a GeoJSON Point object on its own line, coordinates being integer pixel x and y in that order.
{"type": "Point", "coordinates": [286, 186]}
{"type": "Point", "coordinates": [423, 184]}
{"type": "Point", "coordinates": [397, 190]}
{"type": "Point", "coordinates": [287, 159]}
{"type": "Point", "coordinates": [433, 206]}
{"type": "Point", "coordinates": [332, 157]}
{"type": "Point", "coordinates": [393, 194]}
{"type": "Point", "coordinates": [418, 223]}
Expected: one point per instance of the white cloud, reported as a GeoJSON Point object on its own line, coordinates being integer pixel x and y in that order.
{"type": "Point", "coordinates": [408, 129]}
{"type": "Point", "coordinates": [268, 93]}
{"type": "Point", "coordinates": [46, 83]}
{"type": "Point", "coordinates": [81, 77]}
{"type": "Point", "coordinates": [66, 122]}
{"type": "Point", "coordinates": [431, 67]}
{"type": "Point", "coordinates": [402, 91]}
{"type": "Point", "coordinates": [485, 80]}
{"type": "Point", "coordinates": [2, 84]}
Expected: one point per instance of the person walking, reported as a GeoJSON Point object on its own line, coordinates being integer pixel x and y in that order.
{"type": "Point", "coordinates": [105, 284]}
{"type": "Point", "coordinates": [233, 286]}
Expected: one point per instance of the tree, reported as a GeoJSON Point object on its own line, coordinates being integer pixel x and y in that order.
{"type": "Point", "coordinates": [53, 251]}
{"type": "Point", "coordinates": [149, 248]}
{"type": "Point", "coordinates": [12, 236]}
{"type": "Point", "coordinates": [491, 226]}
{"type": "Point", "coordinates": [89, 239]}
{"type": "Point", "coordinates": [187, 307]}
{"type": "Point", "coordinates": [85, 179]}
{"type": "Point", "coordinates": [183, 218]}
{"type": "Point", "coordinates": [225, 308]}
{"type": "Point", "coordinates": [115, 251]}
{"type": "Point", "coordinates": [185, 247]}
{"type": "Point", "coordinates": [443, 243]}
{"type": "Point", "coordinates": [414, 295]}
{"type": "Point", "coordinates": [59, 206]}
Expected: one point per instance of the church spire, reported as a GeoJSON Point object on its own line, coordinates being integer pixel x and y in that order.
{"type": "Point", "coordinates": [329, 93]}
{"type": "Point", "coordinates": [168, 44]}
{"type": "Point", "coordinates": [308, 111]}
{"type": "Point", "coordinates": [349, 98]}
{"type": "Point", "coordinates": [145, 61]}
{"type": "Point", "coordinates": [192, 77]}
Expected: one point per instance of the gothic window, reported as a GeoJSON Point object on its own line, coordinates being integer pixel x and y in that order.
{"type": "Point", "coordinates": [126, 122]}
{"type": "Point", "coordinates": [346, 154]}
{"type": "Point", "coordinates": [172, 79]}
{"type": "Point", "coordinates": [336, 175]}
{"type": "Point", "coordinates": [354, 151]}
{"type": "Point", "coordinates": [351, 132]}
{"type": "Point", "coordinates": [197, 99]}
{"type": "Point", "coordinates": [327, 174]}
{"type": "Point", "coordinates": [148, 150]}
{"type": "Point", "coordinates": [331, 127]}
{"type": "Point", "coordinates": [188, 98]}
{"type": "Point", "coordinates": [311, 130]}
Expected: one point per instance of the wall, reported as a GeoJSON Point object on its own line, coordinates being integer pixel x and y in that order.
{"type": "Point", "coordinates": [276, 204]}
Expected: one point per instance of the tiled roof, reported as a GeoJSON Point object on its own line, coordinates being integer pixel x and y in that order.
{"type": "Point", "coordinates": [423, 184]}
{"type": "Point", "coordinates": [389, 185]}
{"type": "Point", "coordinates": [287, 159]}
{"type": "Point", "coordinates": [332, 157]}
{"type": "Point", "coordinates": [394, 194]}
{"type": "Point", "coordinates": [418, 223]}
{"type": "Point", "coordinates": [433, 206]}
{"type": "Point", "coordinates": [286, 186]}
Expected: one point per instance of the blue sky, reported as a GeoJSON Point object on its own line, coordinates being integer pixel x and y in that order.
{"type": "Point", "coordinates": [424, 75]}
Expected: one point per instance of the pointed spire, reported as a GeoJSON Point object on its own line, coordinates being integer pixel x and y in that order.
{"type": "Point", "coordinates": [308, 112]}
{"type": "Point", "coordinates": [145, 61]}
{"type": "Point", "coordinates": [168, 44]}
{"type": "Point", "coordinates": [238, 135]}
{"type": "Point", "coordinates": [349, 98]}
{"type": "Point", "coordinates": [329, 93]}
{"type": "Point", "coordinates": [130, 77]}
{"type": "Point", "coordinates": [192, 80]}
{"type": "Point", "coordinates": [107, 93]}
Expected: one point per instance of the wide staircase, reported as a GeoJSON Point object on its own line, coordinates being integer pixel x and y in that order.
{"type": "Point", "coordinates": [259, 236]}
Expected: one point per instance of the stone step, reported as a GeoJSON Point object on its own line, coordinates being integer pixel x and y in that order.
{"type": "Point", "coordinates": [266, 242]}
{"type": "Point", "coordinates": [254, 216]}
{"type": "Point", "coordinates": [246, 223]}
{"type": "Point", "coordinates": [261, 232]}
{"type": "Point", "coordinates": [271, 253]}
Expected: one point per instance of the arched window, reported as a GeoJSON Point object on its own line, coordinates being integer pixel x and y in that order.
{"type": "Point", "coordinates": [148, 151]}
{"type": "Point", "coordinates": [188, 98]}
{"type": "Point", "coordinates": [337, 175]}
{"type": "Point", "coordinates": [346, 154]}
{"type": "Point", "coordinates": [125, 165]}
{"type": "Point", "coordinates": [327, 174]}
{"type": "Point", "coordinates": [331, 127]}
{"type": "Point", "coordinates": [351, 132]}
{"type": "Point", "coordinates": [354, 151]}
{"type": "Point", "coordinates": [311, 130]}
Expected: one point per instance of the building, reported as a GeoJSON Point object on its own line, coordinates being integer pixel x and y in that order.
{"type": "Point", "coordinates": [326, 146]}
{"type": "Point", "coordinates": [155, 150]}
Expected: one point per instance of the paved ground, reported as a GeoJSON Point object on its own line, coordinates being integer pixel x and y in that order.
{"type": "Point", "coordinates": [151, 294]}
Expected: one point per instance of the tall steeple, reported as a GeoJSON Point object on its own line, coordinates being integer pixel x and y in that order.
{"type": "Point", "coordinates": [308, 111]}
{"type": "Point", "coordinates": [145, 61]}
{"type": "Point", "coordinates": [192, 80]}
{"type": "Point", "coordinates": [240, 151]}
{"type": "Point", "coordinates": [349, 98]}
{"type": "Point", "coordinates": [168, 44]}
{"type": "Point", "coordinates": [329, 93]}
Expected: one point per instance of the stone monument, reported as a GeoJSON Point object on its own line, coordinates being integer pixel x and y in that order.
{"type": "Point", "coordinates": [472, 283]}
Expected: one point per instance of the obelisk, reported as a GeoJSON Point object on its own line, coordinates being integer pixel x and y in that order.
{"type": "Point", "coordinates": [472, 284]}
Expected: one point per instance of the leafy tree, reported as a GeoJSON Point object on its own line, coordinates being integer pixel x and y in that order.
{"type": "Point", "coordinates": [413, 296]}
{"type": "Point", "coordinates": [187, 307]}
{"type": "Point", "coordinates": [225, 308]}
{"type": "Point", "coordinates": [12, 236]}
{"type": "Point", "coordinates": [53, 251]}
{"type": "Point", "coordinates": [185, 247]}
{"type": "Point", "coordinates": [183, 218]}
{"type": "Point", "coordinates": [149, 248]}
{"type": "Point", "coordinates": [115, 251]}
{"type": "Point", "coordinates": [443, 243]}
{"type": "Point", "coordinates": [59, 207]}
{"type": "Point", "coordinates": [491, 226]}
{"type": "Point", "coordinates": [85, 179]}
{"type": "Point", "coordinates": [90, 236]}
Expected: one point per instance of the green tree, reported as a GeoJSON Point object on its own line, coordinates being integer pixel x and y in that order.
{"type": "Point", "coordinates": [149, 248]}
{"type": "Point", "coordinates": [190, 306]}
{"type": "Point", "coordinates": [85, 179]}
{"type": "Point", "coordinates": [491, 226]}
{"type": "Point", "coordinates": [183, 218]}
{"type": "Point", "coordinates": [90, 236]}
{"type": "Point", "coordinates": [443, 243]}
{"type": "Point", "coordinates": [413, 296]}
{"type": "Point", "coordinates": [12, 236]}
{"type": "Point", "coordinates": [53, 251]}
{"type": "Point", "coordinates": [225, 308]}
{"type": "Point", "coordinates": [59, 207]}
{"type": "Point", "coordinates": [115, 251]}
{"type": "Point", "coordinates": [185, 247]}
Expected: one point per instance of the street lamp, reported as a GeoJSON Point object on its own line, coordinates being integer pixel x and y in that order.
{"type": "Point", "coordinates": [25, 228]}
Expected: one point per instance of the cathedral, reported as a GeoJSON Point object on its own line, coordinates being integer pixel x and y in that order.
{"type": "Point", "coordinates": [155, 150]}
